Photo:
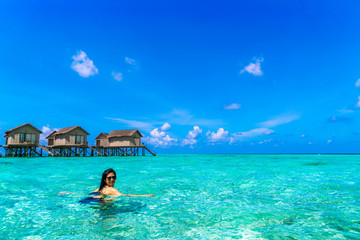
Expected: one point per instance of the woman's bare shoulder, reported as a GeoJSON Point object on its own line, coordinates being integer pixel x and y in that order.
{"type": "Point", "coordinates": [111, 191]}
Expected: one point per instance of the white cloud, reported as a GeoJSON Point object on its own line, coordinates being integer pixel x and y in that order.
{"type": "Point", "coordinates": [357, 83]}
{"type": "Point", "coordinates": [329, 141]}
{"type": "Point", "coordinates": [344, 111]}
{"type": "Point", "coordinates": [183, 117]}
{"type": "Point", "coordinates": [279, 120]}
{"type": "Point", "coordinates": [254, 68]}
{"type": "Point", "coordinates": [130, 61]}
{"type": "Point", "coordinates": [241, 136]}
{"type": "Point", "coordinates": [194, 133]}
{"type": "Point", "coordinates": [357, 105]}
{"type": "Point", "coordinates": [165, 141]}
{"type": "Point", "coordinates": [191, 137]}
{"type": "Point", "coordinates": [133, 123]}
{"type": "Point", "coordinates": [117, 76]}
{"type": "Point", "coordinates": [165, 127]}
{"type": "Point", "coordinates": [232, 106]}
{"type": "Point", "coordinates": [83, 65]}
{"type": "Point", "coordinates": [46, 131]}
{"type": "Point", "coordinates": [266, 141]}
{"type": "Point", "coordinates": [220, 135]}
{"type": "Point", "coordinates": [189, 142]}
{"type": "Point", "coordinates": [160, 132]}
{"type": "Point", "coordinates": [177, 117]}
{"type": "Point", "coordinates": [158, 137]}
{"type": "Point", "coordinates": [156, 133]}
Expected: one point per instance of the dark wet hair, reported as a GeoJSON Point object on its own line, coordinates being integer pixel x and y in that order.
{"type": "Point", "coordinates": [104, 175]}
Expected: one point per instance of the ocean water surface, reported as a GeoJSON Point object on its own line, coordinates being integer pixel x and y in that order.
{"type": "Point", "coordinates": [196, 197]}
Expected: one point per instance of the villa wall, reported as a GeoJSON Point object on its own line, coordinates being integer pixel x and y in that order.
{"type": "Point", "coordinates": [102, 141]}
{"type": "Point", "coordinates": [70, 138]}
{"type": "Point", "coordinates": [13, 137]}
{"type": "Point", "coordinates": [124, 141]}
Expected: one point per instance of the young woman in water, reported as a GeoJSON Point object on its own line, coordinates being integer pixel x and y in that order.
{"type": "Point", "coordinates": [107, 186]}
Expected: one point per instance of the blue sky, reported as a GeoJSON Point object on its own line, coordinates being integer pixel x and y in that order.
{"type": "Point", "coordinates": [194, 77]}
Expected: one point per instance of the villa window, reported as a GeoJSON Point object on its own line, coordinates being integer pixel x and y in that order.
{"type": "Point", "coordinates": [21, 137]}
{"type": "Point", "coordinates": [30, 137]}
{"type": "Point", "coordinates": [79, 139]}
{"type": "Point", "coordinates": [27, 137]}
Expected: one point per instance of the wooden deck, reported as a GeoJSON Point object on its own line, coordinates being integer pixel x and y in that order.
{"type": "Point", "coordinates": [20, 145]}
{"type": "Point", "coordinates": [77, 150]}
{"type": "Point", "coordinates": [123, 150]}
{"type": "Point", "coordinates": [46, 150]}
{"type": "Point", "coordinates": [22, 150]}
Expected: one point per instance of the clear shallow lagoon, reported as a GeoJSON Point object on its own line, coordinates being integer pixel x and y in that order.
{"type": "Point", "coordinates": [196, 197]}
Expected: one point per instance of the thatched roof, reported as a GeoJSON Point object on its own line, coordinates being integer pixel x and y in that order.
{"type": "Point", "coordinates": [124, 133]}
{"type": "Point", "coordinates": [26, 124]}
{"type": "Point", "coordinates": [105, 134]}
{"type": "Point", "coordinates": [65, 130]}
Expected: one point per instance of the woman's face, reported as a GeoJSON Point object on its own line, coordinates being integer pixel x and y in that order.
{"type": "Point", "coordinates": [110, 179]}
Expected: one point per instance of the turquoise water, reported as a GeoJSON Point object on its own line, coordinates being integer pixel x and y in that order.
{"type": "Point", "coordinates": [196, 197]}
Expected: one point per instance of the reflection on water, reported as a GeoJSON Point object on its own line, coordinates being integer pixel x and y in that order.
{"type": "Point", "coordinates": [314, 164]}
{"type": "Point", "coordinates": [111, 214]}
{"type": "Point", "coordinates": [6, 163]}
{"type": "Point", "coordinates": [113, 207]}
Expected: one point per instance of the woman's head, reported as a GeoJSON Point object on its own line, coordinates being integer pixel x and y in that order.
{"type": "Point", "coordinates": [108, 178]}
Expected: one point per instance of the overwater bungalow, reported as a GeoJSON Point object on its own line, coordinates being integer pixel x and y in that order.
{"type": "Point", "coordinates": [69, 136]}
{"type": "Point", "coordinates": [102, 140]}
{"type": "Point", "coordinates": [22, 141]}
{"type": "Point", "coordinates": [23, 135]}
{"type": "Point", "coordinates": [120, 143]}
{"type": "Point", "coordinates": [119, 138]}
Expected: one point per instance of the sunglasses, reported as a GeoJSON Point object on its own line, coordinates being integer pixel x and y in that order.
{"type": "Point", "coordinates": [113, 177]}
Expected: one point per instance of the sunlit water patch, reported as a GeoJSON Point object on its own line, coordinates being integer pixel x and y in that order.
{"type": "Point", "coordinates": [196, 197]}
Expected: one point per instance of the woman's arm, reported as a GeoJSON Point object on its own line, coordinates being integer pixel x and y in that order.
{"type": "Point", "coordinates": [115, 192]}
{"type": "Point", "coordinates": [64, 193]}
{"type": "Point", "coordinates": [131, 195]}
